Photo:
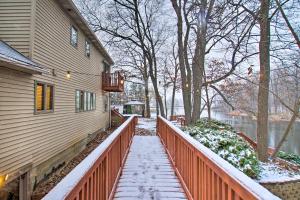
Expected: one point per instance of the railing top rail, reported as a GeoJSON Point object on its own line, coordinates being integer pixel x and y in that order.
{"type": "Point", "coordinates": [65, 186]}
{"type": "Point", "coordinates": [237, 175]}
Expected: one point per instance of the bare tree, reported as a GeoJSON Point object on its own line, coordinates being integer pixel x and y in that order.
{"type": "Point", "coordinates": [201, 26]}
{"type": "Point", "coordinates": [134, 60]}
{"type": "Point", "coordinates": [132, 21]}
{"type": "Point", "coordinates": [171, 75]}
{"type": "Point", "coordinates": [289, 25]}
{"type": "Point", "coordinates": [174, 76]}
{"type": "Point", "coordinates": [264, 80]}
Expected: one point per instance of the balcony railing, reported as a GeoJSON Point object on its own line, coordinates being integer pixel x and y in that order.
{"type": "Point", "coordinates": [112, 82]}
{"type": "Point", "coordinates": [202, 173]}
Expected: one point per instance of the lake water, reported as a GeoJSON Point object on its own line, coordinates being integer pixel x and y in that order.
{"type": "Point", "coordinates": [276, 130]}
{"type": "Point", "coordinates": [248, 126]}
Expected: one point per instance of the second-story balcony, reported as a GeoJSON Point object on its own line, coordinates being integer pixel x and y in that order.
{"type": "Point", "coordinates": [112, 82]}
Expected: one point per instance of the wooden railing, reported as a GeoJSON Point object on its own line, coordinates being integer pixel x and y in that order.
{"type": "Point", "coordinates": [112, 82]}
{"type": "Point", "coordinates": [253, 143]}
{"type": "Point", "coordinates": [95, 178]}
{"type": "Point", "coordinates": [116, 117]}
{"type": "Point", "coordinates": [202, 173]}
{"type": "Point", "coordinates": [179, 118]}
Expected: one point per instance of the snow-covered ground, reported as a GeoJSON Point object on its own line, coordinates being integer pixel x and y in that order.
{"type": "Point", "coordinates": [148, 124]}
{"type": "Point", "coordinates": [270, 172]}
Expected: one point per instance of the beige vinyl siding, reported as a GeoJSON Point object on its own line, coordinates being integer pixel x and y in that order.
{"type": "Point", "coordinates": [29, 138]}
{"type": "Point", "coordinates": [15, 23]}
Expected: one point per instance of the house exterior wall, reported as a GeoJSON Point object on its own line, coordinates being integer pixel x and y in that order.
{"type": "Point", "coordinates": [15, 23]}
{"type": "Point", "coordinates": [29, 140]}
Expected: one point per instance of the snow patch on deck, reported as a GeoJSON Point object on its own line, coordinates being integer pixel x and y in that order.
{"type": "Point", "coordinates": [148, 173]}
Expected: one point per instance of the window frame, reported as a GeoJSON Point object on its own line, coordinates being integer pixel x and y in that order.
{"type": "Point", "coordinates": [45, 85]}
{"type": "Point", "coordinates": [87, 53]}
{"type": "Point", "coordinates": [106, 104]}
{"type": "Point", "coordinates": [85, 101]}
{"type": "Point", "coordinates": [84, 97]}
{"type": "Point", "coordinates": [81, 109]}
{"type": "Point", "coordinates": [94, 96]}
{"type": "Point", "coordinates": [106, 67]}
{"type": "Point", "coordinates": [77, 109]}
{"type": "Point", "coordinates": [71, 41]}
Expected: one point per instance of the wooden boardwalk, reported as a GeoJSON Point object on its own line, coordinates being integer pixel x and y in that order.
{"type": "Point", "coordinates": [148, 173]}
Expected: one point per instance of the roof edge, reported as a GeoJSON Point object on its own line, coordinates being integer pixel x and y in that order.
{"type": "Point", "coordinates": [22, 67]}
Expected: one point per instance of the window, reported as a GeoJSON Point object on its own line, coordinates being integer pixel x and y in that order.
{"type": "Point", "coordinates": [39, 97]}
{"type": "Point", "coordinates": [84, 101]}
{"type": "Point", "coordinates": [93, 101]}
{"type": "Point", "coordinates": [88, 101]}
{"type": "Point", "coordinates": [106, 67]}
{"type": "Point", "coordinates": [77, 100]}
{"type": "Point", "coordinates": [74, 36]}
{"type": "Point", "coordinates": [49, 97]}
{"type": "Point", "coordinates": [105, 99]}
{"type": "Point", "coordinates": [87, 48]}
{"type": "Point", "coordinates": [43, 97]}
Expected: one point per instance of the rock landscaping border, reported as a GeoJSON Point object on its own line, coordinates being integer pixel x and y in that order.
{"type": "Point", "coordinates": [288, 190]}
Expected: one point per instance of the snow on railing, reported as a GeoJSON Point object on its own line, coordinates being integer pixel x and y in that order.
{"type": "Point", "coordinates": [96, 176]}
{"type": "Point", "coordinates": [203, 174]}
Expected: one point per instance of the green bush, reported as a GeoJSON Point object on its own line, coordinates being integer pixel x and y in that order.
{"type": "Point", "coordinates": [222, 139]}
{"type": "Point", "coordinates": [289, 157]}
{"type": "Point", "coordinates": [213, 124]}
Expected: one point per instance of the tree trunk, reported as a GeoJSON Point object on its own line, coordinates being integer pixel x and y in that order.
{"type": "Point", "coordinates": [198, 63]}
{"type": "Point", "coordinates": [197, 85]}
{"type": "Point", "coordinates": [288, 129]}
{"type": "Point", "coordinates": [160, 105]}
{"type": "Point", "coordinates": [147, 109]}
{"type": "Point", "coordinates": [274, 98]}
{"type": "Point", "coordinates": [173, 98]}
{"type": "Point", "coordinates": [185, 81]}
{"type": "Point", "coordinates": [208, 104]}
{"type": "Point", "coordinates": [165, 96]}
{"type": "Point", "coordinates": [157, 108]}
{"type": "Point", "coordinates": [264, 79]}
{"type": "Point", "coordinates": [150, 56]}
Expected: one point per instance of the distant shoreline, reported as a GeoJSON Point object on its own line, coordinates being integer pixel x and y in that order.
{"type": "Point", "coordinates": [280, 117]}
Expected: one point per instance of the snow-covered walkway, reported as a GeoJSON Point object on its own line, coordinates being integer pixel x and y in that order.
{"type": "Point", "coordinates": [148, 173]}
{"type": "Point", "coordinates": [148, 124]}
